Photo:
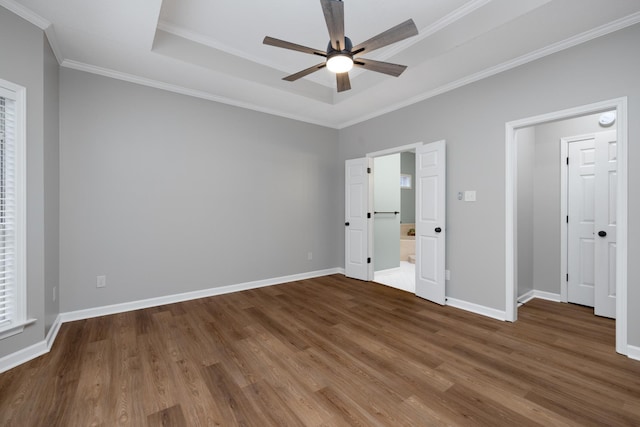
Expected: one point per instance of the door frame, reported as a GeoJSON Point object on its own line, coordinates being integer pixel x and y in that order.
{"type": "Point", "coordinates": [620, 105]}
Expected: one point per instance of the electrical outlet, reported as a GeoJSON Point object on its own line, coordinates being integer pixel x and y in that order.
{"type": "Point", "coordinates": [55, 292]}
{"type": "Point", "coordinates": [101, 281]}
{"type": "Point", "coordinates": [309, 256]}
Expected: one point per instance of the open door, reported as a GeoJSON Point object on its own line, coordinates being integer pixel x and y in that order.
{"type": "Point", "coordinates": [606, 239]}
{"type": "Point", "coordinates": [356, 234]}
{"type": "Point", "coordinates": [592, 236]}
{"type": "Point", "coordinates": [430, 221]}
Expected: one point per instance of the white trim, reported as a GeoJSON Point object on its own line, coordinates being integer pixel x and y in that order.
{"type": "Point", "coordinates": [19, 95]}
{"type": "Point", "coordinates": [171, 299]}
{"type": "Point", "coordinates": [564, 228]}
{"type": "Point", "coordinates": [132, 78]}
{"type": "Point", "coordinates": [633, 352]}
{"type": "Point", "coordinates": [38, 349]}
{"type": "Point", "coordinates": [25, 13]}
{"type": "Point", "coordinates": [476, 308]}
{"type": "Point", "coordinates": [38, 21]}
{"type": "Point", "coordinates": [525, 298]}
{"type": "Point", "coordinates": [586, 36]}
{"type": "Point", "coordinates": [394, 150]}
{"type": "Point", "coordinates": [603, 30]}
{"type": "Point", "coordinates": [53, 332]}
{"type": "Point", "coordinates": [620, 105]}
{"type": "Point", "coordinates": [21, 356]}
{"type": "Point", "coordinates": [549, 296]}
{"type": "Point", "coordinates": [533, 294]}
{"type": "Point", "coordinates": [17, 328]}
{"type": "Point", "coordinates": [50, 32]}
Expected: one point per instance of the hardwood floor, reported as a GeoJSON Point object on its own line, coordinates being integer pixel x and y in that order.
{"type": "Point", "coordinates": [327, 352]}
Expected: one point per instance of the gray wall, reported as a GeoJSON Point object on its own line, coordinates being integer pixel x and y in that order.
{"type": "Point", "coordinates": [386, 198]}
{"type": "Point", "coordinates": [22, 48]}
{"type": "Point", "coordinates": [525, 148]}
{"type": "Point", "coordinates": [51, 188]}
{"type": "Point", "coordinates": [546, 204]}
{"type": "Point", "coordinates": [165, 193]}
{"type": "Point", "coordinates": [408, 196]}
{"type": "Point", "coordinates": [472, 120]}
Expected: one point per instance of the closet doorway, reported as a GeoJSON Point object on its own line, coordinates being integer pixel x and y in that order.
{"type": "Point", "coordinates": [540, 199]}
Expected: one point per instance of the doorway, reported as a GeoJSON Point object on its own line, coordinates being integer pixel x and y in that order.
{"type": "Point", "coordinates": [394, 245]}
{"type": "Point", "coordinates": [514, 217]}
{"type": "Point", "coordinates": [430, 216]}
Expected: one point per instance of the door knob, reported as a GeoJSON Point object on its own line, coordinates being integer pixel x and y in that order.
{"type": "Point", "coordinates": [602, 233]}
{"type": "Point", "coordinates": [438, 229]}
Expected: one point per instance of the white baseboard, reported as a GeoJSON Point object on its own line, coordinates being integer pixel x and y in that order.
{"type": "Point", "coordinates": [170, 299]}
{"type": "Point", "coordinates": [528, 296]}
{"type": "Point", "coordinates": [476, 308]}
{"type": "Point", "coordinates": [525, 298]}
{"type": "Point", "coordinates": [547, 295]}
{"type": "Point", "coordinates": [38, 349]}
{"type": "Point", "coordinates": [633, 352]}
{"type": "Point", "coordinates": [53, 332]}
{"type": "Point", "coordinates": [21, 356]}
{"type": "Point", "coordinates": [26, 354]}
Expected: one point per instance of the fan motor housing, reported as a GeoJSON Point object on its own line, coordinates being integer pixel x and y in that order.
{"type": "Point", "coordinates": [347, 48]}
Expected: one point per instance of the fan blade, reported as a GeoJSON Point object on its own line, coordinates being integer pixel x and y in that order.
{"type": "Point", "coordinates": [343, 81]}
{"type": "Point", "coordinates": [300, 74]}
{"type": "Point", "coordinates": [392, 35]}
{"type": "Point", "coordinates": [380, 67]}
{"type": "Point", "coordinates": [288, 45]}
{"type": "Point", "coordinates": [334, 16]}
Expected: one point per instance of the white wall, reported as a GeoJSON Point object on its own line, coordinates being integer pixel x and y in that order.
{"type": "Point", "coordinates": [472, 120]}
{"type": "Point", "coordinates": [165, 193]}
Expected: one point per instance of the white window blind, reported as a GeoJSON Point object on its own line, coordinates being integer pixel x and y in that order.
{"type": "Point", "coordinates": [8, 301]}
{"type": "Point", "coordinates": [12, 220]}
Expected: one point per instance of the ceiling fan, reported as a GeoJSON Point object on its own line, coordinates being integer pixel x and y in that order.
{"type": "Point", "coordinates": [341, 55]}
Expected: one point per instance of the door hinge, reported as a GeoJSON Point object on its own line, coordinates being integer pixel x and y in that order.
{"type": "Point", "coordinates": [368, 214]}
{"type": "Point", "coordinates": [567, 219]}
{"type": "Point", "coordinates": [368, 170]}
{"type": "Point", "coordinates": [567, 277]}
{"type": "Point", "coordinates": [368, 260]}
{"type": "Point", "coordinates": [567, 160]}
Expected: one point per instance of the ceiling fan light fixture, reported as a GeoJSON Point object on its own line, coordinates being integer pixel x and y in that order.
{"type": "Point", "coordinates": [340, 63]}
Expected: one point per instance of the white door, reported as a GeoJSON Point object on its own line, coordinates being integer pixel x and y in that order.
{"type": "Point", "coordinates": [430, 221]}
{"type": "Point", "coordinates": [581, 212]}
{"type": "Point", "coordinates": [357, 258]}
{"type": "Point", "coordinates": [605, 240]}
{"type": "Point", "coordinates": [592, 217]}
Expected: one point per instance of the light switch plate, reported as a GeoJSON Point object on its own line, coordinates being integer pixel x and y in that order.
{"type": "Point", "coordinates": [469, 196]}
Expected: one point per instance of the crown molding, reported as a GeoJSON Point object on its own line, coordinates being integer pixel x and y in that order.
{"type": "Point", "coordinates": [39, 22]}
{"type": "Point", "coordinates": [132, 78]}
{"type": "Point", "coordinates": [603, 30]}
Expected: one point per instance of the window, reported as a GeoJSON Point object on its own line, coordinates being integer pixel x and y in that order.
{"type": "Point", "coordinates": [12, 210]}
{"type": "Point", "coordinates": [405, 181]}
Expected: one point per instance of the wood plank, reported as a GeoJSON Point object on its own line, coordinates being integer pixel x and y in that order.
{"type": "Point", "coordinates": [328, 351]}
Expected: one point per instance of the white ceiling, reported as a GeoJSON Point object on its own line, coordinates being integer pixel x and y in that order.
{"type": "Point", "coordinates": [213, 49]}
